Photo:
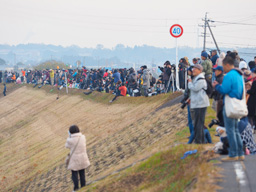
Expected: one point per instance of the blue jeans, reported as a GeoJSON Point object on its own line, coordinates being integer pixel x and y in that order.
{"type": "Point", "coordinates": [190, 125]}
{"type": "Point", "coordinates": [207, 136]}
{"type": "Point", "coordinates": [234, 137]}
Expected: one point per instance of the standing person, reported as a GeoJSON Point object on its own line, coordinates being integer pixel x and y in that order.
{"type": "Point", "coordinates": [5, 90]}
{"type": "Point", "coordinates": [1, 74]}
{"type": "Point", "coordinates": [232, 85]}
{"type": "Point", "coordinates": [146, 80]}
{"type": "Point", "coordinates": [199, 102]}
{"type": "Point", "coordinates": [52, 77]}
{"type": "Point", "coordinates": [166, 74]}
{"type": "Point", "coordinates": [252, 101]}
{"type": "Point", "coordinates": [218, 98]}
{"type": "Point", "coordinates": [79, 160]}
{"type": "Point", "coordinates": [116, 76]}
{"type": "Point", "coordinates": [214, 57]}
{"type": "Point", "coordinates": [207, 65]}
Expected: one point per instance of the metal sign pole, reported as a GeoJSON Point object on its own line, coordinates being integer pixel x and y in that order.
{"type": "Point", "coordinates": [177, 67]}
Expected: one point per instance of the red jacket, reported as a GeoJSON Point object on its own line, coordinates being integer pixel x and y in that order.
{"type": "Point", "coordinates": [123, 90]}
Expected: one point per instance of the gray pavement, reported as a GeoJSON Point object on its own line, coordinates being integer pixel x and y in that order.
{"type": "Point", "coordinates": [239, 176]}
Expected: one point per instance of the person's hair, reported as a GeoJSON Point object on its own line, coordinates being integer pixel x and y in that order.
{"type": "Point", "coordinates": [195, 59]}
{"type": "Point", "coordinates": [74, 129]}
{"type": "Point", "coordinates": [228, 60]}
{"type": "Point", "coordinates": [255, 57]}
{"type": "Point", "coordinates": [167, 63]}
{"type": "Point", "coordinates": [228, 52]}
{"type": "Point", "coordinates": [232, 55]}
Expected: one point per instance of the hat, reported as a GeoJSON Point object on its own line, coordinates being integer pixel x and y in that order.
{"type": "Point", "coordinates": [243, 65]}
{"type": "Point", "coordinates": [220, 68]}
{"type": "Point", "coordinates": [204, 54]}
{"type": "Point", "coordinates": [198, 66]}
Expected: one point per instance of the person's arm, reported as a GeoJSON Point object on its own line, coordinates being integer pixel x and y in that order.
{"type": "Point", "coordinates": [225, 88]}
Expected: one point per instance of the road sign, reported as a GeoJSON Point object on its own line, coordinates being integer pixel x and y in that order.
{"type": "Point", "coordinates": [176, 30]}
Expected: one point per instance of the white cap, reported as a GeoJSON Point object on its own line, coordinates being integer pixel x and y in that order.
{"type": "Point", "coordinates": [243, 65]}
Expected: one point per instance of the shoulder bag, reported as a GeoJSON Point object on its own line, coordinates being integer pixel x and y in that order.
{"type": "Point", "coordinates": [236, 108]}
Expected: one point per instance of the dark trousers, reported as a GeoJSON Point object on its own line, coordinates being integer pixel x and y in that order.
{"type": "Point", "coordinates": [76, 180]}
{"type": "Point", "coordinates": [4, 93]}
{"type": "Point", "coordinates": [198, 118]}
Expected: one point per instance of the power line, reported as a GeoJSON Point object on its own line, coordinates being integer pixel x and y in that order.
{"type": "Point", "coordinates": [233, 23]}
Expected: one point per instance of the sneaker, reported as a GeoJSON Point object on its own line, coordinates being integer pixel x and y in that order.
{"type": "Point", "coordinates": [110, 101]}
{"type": "Point", "coordinates": [229, 159]}
{"type": "Point", "coordinates": [241, 158]}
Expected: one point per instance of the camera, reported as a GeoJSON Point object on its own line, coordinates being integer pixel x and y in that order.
{"type": "Point", "coordinates": [185, 98]}
{"type": "Point", "coordinates": [184, 104]}
{"type": "Point", "coordinates": [213, 122]}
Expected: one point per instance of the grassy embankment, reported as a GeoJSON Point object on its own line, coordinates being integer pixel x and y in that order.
{"type": "Point", "coordinates": [166, 171]}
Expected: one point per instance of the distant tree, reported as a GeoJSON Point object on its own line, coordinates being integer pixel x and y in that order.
{"type": "Point", "coordinates": [50, 65]}
{"type": "Point", "coordinates": [2, 62]}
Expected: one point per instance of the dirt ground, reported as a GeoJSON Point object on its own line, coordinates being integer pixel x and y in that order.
{"type": "Point", "coordinates": [34, 127]}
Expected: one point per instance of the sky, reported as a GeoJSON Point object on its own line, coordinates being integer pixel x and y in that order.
{"type": "Point", "coordinates": [87, 23]}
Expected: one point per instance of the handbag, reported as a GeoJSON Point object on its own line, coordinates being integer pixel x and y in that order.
{"type": "Point", "coordinates": [236, 108]}
{"type": "Point", "coordinates": [70, 154]}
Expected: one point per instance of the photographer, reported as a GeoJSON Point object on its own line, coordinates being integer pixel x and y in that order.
{"type": "Point", "coordinates": [198, 102]}
{"type": "Point", "coordinates": [166, 74]}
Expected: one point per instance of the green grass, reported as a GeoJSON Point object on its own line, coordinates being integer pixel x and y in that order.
{"type": "Point", "coordinates": [164, 171]}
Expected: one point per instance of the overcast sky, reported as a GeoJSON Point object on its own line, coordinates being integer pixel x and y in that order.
{"type": "Point", "coordinates": [87, 23]}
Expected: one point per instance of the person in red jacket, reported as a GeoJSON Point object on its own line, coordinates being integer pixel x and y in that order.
{"type": "Point", "coordinates": [122, 91]}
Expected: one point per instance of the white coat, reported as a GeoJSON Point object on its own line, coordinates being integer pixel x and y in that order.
{"type": "Point", "coordinates": [79, 160]}
{"type": "Point", "coordinates": [198, 96]}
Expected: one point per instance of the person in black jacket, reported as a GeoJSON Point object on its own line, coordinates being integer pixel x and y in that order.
{"type": "Point", "coordinates": [218, 97]}
{"type": "Point", "coordinates": [166, 74]}
{"type": "Point", "coordinates": [252, 101]}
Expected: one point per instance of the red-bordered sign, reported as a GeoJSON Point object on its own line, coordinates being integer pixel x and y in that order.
{"type": "Point", "coordinates": [176, 30]}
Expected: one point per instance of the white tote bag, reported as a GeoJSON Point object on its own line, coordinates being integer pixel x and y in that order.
{"type": "Point", "coordinates": [236, 108]}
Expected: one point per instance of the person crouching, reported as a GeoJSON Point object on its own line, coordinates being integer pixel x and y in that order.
{"type": "Point", "coordinates": [199, 102]}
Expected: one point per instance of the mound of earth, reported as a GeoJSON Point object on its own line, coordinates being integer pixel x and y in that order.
{"type": "Point", "coordinates": [34, 127]}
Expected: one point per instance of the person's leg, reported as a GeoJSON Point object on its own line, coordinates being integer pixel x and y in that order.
{"type": "Point", "coordinates": [198, 127]}
{"type": "Point", "coordinates": [239, 142]}
{"type": "Point", "coordinates": [207, 136]}
{"type": "Point", "coordinates": [75, 179]}
{"type": "Point", "coordinates": [145, 91]}
{"type": "Point", "coordinates": [190, 123]}
{"type": "Point", "coordinates": [230, 130]}
{"type": "Point", "coordinates": [82, 178]}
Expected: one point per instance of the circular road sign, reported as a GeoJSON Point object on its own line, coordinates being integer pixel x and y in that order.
{"type": "Point", "coordinates": [176, 30]}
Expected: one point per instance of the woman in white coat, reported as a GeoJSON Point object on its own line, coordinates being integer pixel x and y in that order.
{"type": "Point", "coordinates": [79, 160]}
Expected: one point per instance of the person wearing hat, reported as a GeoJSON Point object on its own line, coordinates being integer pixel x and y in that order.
{"type": "Point", "coordinates": [199, 102]}
{"type": "Point", "coordinates": [232, 86]}
{"type": "Point", "coordinates": [243, 65]}
{"type": "Point", "coordinates": [218, 97]}
{"type": "Point", "coordinates": [207, 65]}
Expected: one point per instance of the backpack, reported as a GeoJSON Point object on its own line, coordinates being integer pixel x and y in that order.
{"type": "Point", "coordinates": [209, 89]}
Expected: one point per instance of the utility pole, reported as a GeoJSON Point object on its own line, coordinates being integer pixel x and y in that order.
{"type": "Point", "coordinates": [213, 36]}
{"type": "Point", "coordinates": [205, 22]}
